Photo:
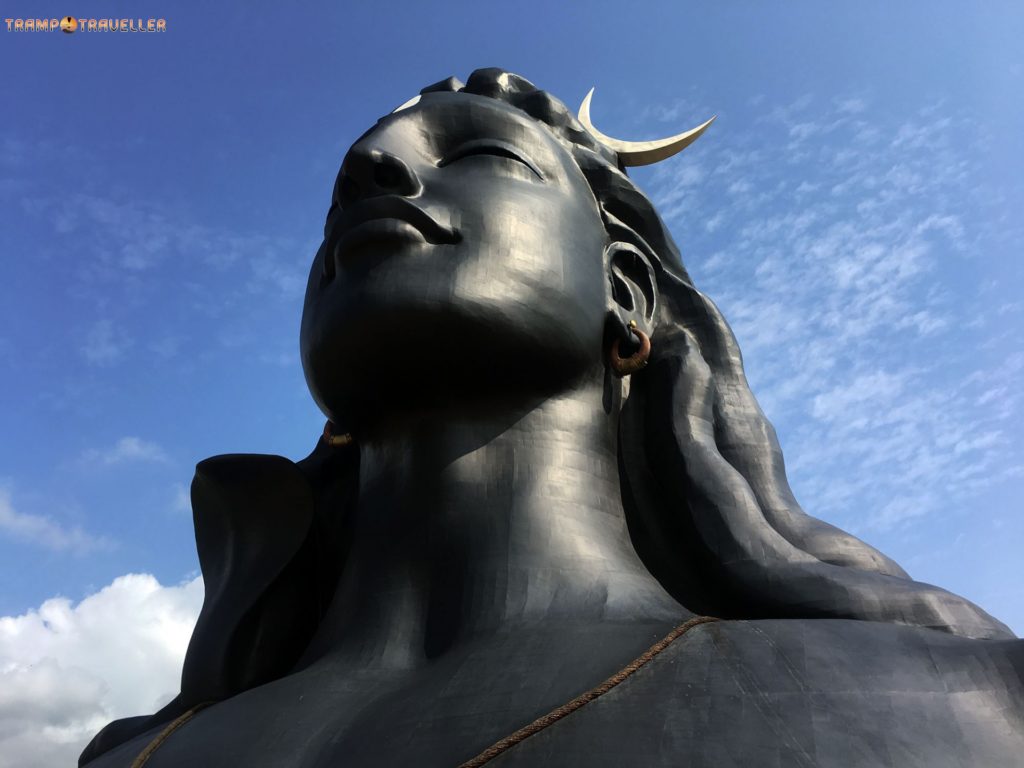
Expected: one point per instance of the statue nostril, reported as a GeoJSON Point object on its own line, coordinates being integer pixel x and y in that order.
{"type": "Point", "coordinates": [387, 176]}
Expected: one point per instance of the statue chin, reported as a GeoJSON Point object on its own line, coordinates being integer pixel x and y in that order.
{"type": "Point", "coordinates": [496, 584]}
{"type": "Point", "coordinates": [395, 355]}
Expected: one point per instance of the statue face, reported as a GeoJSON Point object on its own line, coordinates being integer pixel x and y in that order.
{"type": "Point", "coordinates": [462, 257]}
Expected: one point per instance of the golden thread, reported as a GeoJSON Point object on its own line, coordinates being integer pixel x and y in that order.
{"type": "Point", "coordinates": [154, 745]}
{"type": "Point", "coordinates": [585, 698]}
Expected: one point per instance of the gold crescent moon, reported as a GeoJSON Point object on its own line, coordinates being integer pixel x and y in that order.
{"type": "Point", "coordinates": [634, 153]}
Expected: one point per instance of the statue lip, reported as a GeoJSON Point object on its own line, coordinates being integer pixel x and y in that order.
{"type": "Point", "coordinates": [384, 218]}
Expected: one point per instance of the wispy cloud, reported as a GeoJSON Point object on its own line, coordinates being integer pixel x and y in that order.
{"type": "Point", "coordinates": [852, 105]}
{"type": "Point", "coordinates": [181, 502]}
{"type": "Point", "coordinates": [45, 532]}
{"type": "Point", "coordinates": [857, 343]}
{"type": "Point", "coordinates": [122, 239]}
{"type": "Point", "coordinates": [105, 343]}
{"type": "Point", "coordinates": [125, 450]}
{"type": "Point", "coordinates": [131, 255]}
{"type": "Point", "coordinates": [679, 110]}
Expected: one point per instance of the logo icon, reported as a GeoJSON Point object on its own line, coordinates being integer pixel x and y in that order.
{"type": "Point", "coordinates": [68, 24]}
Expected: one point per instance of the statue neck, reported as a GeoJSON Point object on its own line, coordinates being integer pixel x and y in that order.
{"type": "Point", "coordinates": [471, 523]}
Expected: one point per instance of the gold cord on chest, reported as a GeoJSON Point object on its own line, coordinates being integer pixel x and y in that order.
{"type": "Point", "coordinates": [568, 708]}
{"type": "Point", "coordinates": [512, 739]}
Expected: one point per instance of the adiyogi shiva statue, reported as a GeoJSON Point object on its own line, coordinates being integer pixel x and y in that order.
{"type": "Point", "coordinates": [547, 523]}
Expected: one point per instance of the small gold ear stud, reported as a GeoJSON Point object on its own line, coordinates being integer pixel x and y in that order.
{"type": "Point", "coordinates": [335, 441]}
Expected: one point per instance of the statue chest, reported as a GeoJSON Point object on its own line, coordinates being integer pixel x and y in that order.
{"type": "Point", "coordinates": [785, 693]}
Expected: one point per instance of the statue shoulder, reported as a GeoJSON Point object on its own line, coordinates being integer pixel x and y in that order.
{"type": "Point", "coordinates": [253, 514]}
{"type": "Point", "coordinates": [805, 693]}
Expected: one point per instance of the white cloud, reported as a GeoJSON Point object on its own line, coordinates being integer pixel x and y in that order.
{"type": "Point", "coordinates": [286, 278]}
{"type": "Point", "coordinates": [852, 105]}
{"type": "Point", "coordinates": [714, 222]}
{"type": "Point", "coordinates": [666, 114]}
{"type": "Point", "coordinates": [127, 449]}
{"type": "Point", "coordinates": [167, 347]}
{"type": "Point", "coordinates": [105, 343]}
{"type": "Point", "coordinates": [182, 502]}
{"type": "Point", "coordinates": [45, 532]}
{"type": "Point", "coordinates": [802, 131]}
{"type": "Point", "coordinates": [67, 670]}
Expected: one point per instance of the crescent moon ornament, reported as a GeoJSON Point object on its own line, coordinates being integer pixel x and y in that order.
{"type": "Point", "coordinates": [634, 153]}
{"type": "Point", "coordinates": [405, 105]}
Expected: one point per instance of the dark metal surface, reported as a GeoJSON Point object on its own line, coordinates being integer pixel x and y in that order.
{"type": "Point", "coordinates": [512, 523]}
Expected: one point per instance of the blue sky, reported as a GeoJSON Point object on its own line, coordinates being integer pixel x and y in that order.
{"type": "Point", "coordinates": [854, 211]}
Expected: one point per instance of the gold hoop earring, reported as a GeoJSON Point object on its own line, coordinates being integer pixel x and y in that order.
{"type": "Point", "coordinates": [333, 440]}
{"type": "Point", "coordinates": [625, 366]}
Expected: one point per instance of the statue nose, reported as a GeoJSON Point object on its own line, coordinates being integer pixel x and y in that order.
{"type": "Point", "coordinates": [374, 172]}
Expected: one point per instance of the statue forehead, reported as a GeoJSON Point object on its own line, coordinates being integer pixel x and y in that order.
{"type": "Point", "coordinates": [459, 113]}
{"type": "Point", "coordinates": [461, 100]}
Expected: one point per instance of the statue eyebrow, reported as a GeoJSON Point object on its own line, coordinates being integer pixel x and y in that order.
{"type": "Point", "coordinates": [490, 147]}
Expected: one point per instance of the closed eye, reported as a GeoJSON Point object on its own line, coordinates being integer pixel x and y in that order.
{"type": "Point", "coordinates": [493, 147]}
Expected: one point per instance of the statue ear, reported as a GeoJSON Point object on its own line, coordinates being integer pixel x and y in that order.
{"type": "Point", "coordinates": [634, 293]}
